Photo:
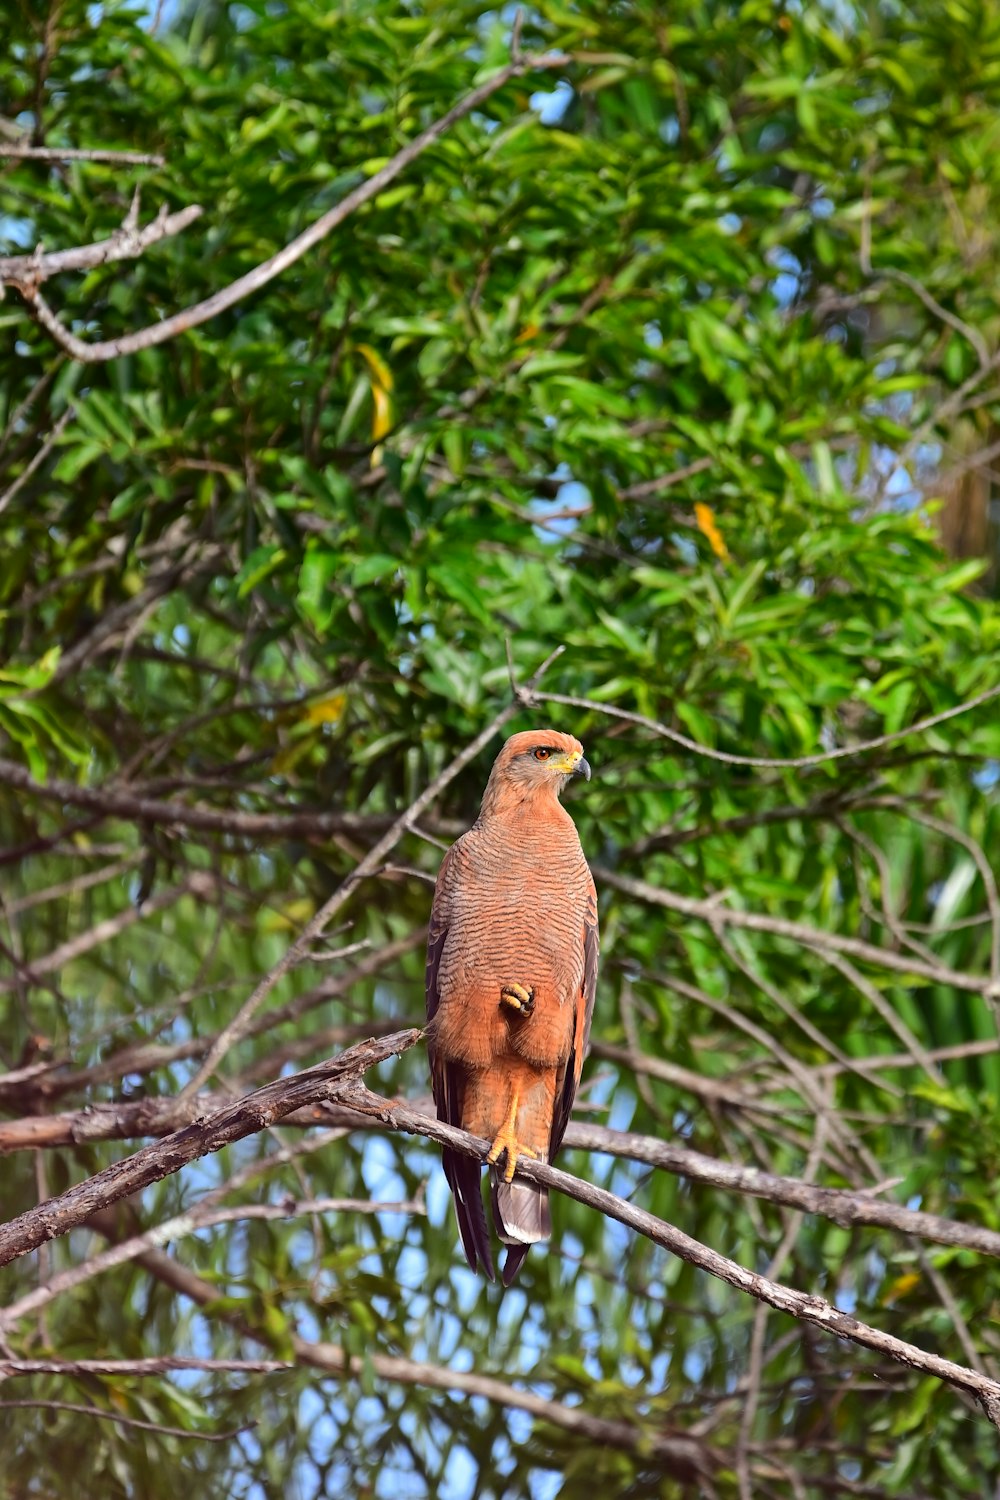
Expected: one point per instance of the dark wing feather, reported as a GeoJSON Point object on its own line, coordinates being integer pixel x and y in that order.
{"type": "Point", "coordinates": [569, 1081]}
{"type": "Point", "coordinates": [464, 1173]}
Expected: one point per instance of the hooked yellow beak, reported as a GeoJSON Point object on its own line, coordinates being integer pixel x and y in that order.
{"type": "Point", "coordinates": [575, 764]}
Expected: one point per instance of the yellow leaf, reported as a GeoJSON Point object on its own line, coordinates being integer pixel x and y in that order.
{"type": "Point", "coordinates": [378, 369]}
{"type": "Point", "coordinates": [327, 710]}
{"type": "Point", "coordinates": [708, 526]}
{"type": "Point", "coordinates": [380, 377]}
{"type": "Point", "coordinates": [901, 1287]}
{"type": "Point", "coordinates": [293, 914]}
{"type": "Point", "coordinates": [529, 331]}
{"type": "Point", "coordinates": [382, 418]}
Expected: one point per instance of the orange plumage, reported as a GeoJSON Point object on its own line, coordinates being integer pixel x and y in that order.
{"type": "Point", "coordinates": [511, 977]}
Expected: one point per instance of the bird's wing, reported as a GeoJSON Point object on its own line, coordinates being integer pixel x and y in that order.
{"type": "Point", "coordinates": [524, 1202]}
{"type": "Point", "coordinates": [464, 1173]}
{"type": "Point", "coordinates": [568, 1079]}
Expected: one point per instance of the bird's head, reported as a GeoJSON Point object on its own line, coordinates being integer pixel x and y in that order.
{"type": "Point", "coordinates": [536, 761]}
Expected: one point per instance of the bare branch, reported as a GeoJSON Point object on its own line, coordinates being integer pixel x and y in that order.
{"type": "Point", "coordinates": [76, 153]}
{"type": "Point", "coordinates": [24, 406]}
{"type": "Point", "coordinates": [933, 306]}
{"type": "Point", "coordinates": [716, 914]}
{"type": "Point", "coordinates": [128, 1120]}
{"type": "Point", "coordinates": [163, 1364]}
{"type": "Point", "coordinates": [764, 762]}
{"type": "Point", "coordinates": [123, 1421]}
{"type": "Point", "coordinates": [72, 888]}
{"type": "Point", "coordinates": [48, 1080]}
{"type": "Point", "coordinates": [804, 1306]}
{"type": "Point", "coordinates": [689, 1455]}
{"type": "Point", "coordinates": [255, 1112]}
{"type": "Point", "coordinates": [127, 805]}
{"type": "Point", "coordinates": [685, 1453]}
{"type": "Point", "coordinates": [889, 1015]}
{"type": "Point", "coordinates": [203, 1216]}
{"type": "Point", "coordinates": [39, 458]}
{"type": "Point", "coordinates": [27, 272]}
{"type": "Point", "coordinates": [198, 884]}
{"type": "Point", "coordinates": [244, 286]}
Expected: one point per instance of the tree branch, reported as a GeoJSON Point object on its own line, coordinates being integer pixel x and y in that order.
{"type": "Point", "coordinates": [129, 1120]}
{"type": "Point", "coordinates": [198, 884]}
{"type": "Point", "coordinates": [686, 1454]}
{"type": "Point", "coordinates": [338, 1081]}
{"type": "Point", "coordinates": [27, 272]}
{"type": "Point", "coordinates": [37, 460]}
{"type": "Point", "coordinates": [204, 1215]}
{"type": "Point", "coordinates": [765, 762]}
{"type": "Point", "coordinates": [244, 286]}
{"type": "Point", "coordinates": [718, 915]}
{"type": "Point", "coordinates": [126, 805]}
{"type": "Point", "coordinates": [79, 1409]}
{"type": "Point", "coordinates": [46, 1080]}
{"type": "Point", "coordinates": [801, 1305]}
{"type": "Point", "coordinates": [76, 153]}
{"type": "Point", "coordinates": [246, 1116]}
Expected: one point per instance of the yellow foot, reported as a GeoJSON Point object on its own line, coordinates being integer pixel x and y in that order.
{"type": "Point", "coordinates": [518, 998]}
{"type": "Point", "coordinates": [507, 1141]}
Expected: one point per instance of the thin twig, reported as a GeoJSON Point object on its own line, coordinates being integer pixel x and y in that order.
{"type": "Point", "coordinates": [75, 153]}
{"type": "Point", "coordinates": [123, 1421]}
{"type": "Point", "coordinates": [764, 762]}
{"type": "Point", "coordinates": [244, 286]}
{"type": "Point", "coordinates": [162, 1364]}
{"type": "Point", "coordinates": [39, 458]}
{"type": "Point", "coordinates": [717, 914]}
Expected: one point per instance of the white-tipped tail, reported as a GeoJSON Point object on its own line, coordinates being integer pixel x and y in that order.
{"type": "Point", "coordinates": [520, 1211]}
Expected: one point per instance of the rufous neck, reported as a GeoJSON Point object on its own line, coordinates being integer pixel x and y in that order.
{"type": "Point", "coordinates": [503, 799]}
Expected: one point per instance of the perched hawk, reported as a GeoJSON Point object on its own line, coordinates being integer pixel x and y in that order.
{"type": "Point", "coordinates": [511, 976]}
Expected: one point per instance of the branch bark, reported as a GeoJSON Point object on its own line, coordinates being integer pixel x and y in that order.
{"type": "Point", "coordinates": [338, 1081]}
{"type": "Point", "coordinates": [244, 286]}
{"type": "Point", "coordinates": [129, 1120]}
{"type": "Point", "coordinates": [315, 822]}
{"type": "Point", "coordinates": [801, 1305]}
{"type": "Point", "coordinates": [254, 1112]}
{"type": "Point", "coordinates": [27, 272]}
{"type": "Point", "coordinates": [718, 915]}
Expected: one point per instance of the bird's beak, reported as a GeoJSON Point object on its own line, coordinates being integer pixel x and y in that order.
{"type": "Point", "coordinates": [582, 768]}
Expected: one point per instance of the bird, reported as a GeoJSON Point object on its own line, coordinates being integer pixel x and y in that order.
{"type": "Point", "coordinates": [512, 955]}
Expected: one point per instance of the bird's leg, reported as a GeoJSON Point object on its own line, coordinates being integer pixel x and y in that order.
{"type": "Point", "coordinates": [518, 998]}
{"type": "Point", "coordinates": [506, 1140]}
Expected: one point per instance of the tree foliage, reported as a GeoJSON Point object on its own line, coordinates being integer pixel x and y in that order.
{"type": "Point", "coordinates": [659, 356]}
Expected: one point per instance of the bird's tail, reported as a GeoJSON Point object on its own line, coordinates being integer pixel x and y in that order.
{"type": "Point", "coordinates": [465, 1179]}
{"type": "Point", "coordinates": [522, 1218]}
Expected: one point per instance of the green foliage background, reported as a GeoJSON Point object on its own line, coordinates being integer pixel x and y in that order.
{"type": "Point", "coordinates": [655, 357]}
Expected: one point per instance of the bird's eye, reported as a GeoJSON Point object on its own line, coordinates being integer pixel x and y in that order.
{"type": "Point", "coordinates": [542, 753]}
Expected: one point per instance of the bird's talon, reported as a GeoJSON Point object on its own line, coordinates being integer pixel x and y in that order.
{"type": "Point", "coordinates": [507, 1141]}
{"type": "Point", "coordinates": [519, 998]}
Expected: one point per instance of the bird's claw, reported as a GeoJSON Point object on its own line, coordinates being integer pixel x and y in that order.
{"type": "Point", "coordinates": [507, 1141]}
{"type": "Point", "coordinates": [518, 998]}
